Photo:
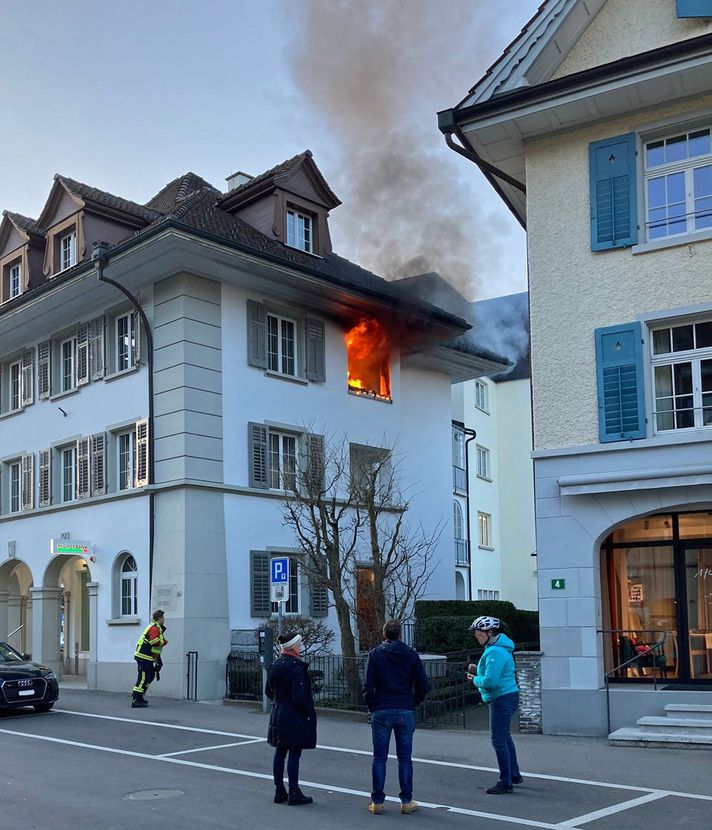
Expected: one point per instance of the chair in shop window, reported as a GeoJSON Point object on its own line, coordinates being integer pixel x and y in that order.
{"type": "Point", "coordinates": [652, 659]}
{"type": "Point", "coordinates": [699, 650]}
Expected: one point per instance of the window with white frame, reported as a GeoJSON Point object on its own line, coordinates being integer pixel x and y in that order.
{"type": "Point", "coordinates": [129, 587]}
{"type": "Point", "coordinates": [484, 593]}
{"type": "Point", "coordinates": [292, 606]}
{"type": "Point", "coordinates": [68, 467]}
{"type": "Point", "coordinates": [481, 390]}
{"type": "Point", "coordinates": [281, 345]}
{"type": "Point", "coordinates": [483, 463]}
{"type": "Point", "coordinates": [67, 360]}
{"type": "Point", "coordinates": [458, 448]}
{"type": "Point", "coordinates": [126, 459]}
{"type": "Point", "coordinates": [14, 480]}
{"type": "Point", "coordinates": [678, 184]}
{"type": "Point", "coordinates": [458, 523]}
{"type": "Point", "coordinates": [67, 250]}
{"type": "Point", "coordinates": [484, 530]}
{"type": "Point", "coordinates": [282, 461]}
{"type": "Point", "coordinates": [15, 388]}
{"type": "Point", "coordinates": [15, 280]}
{"type": "Point", "coordinates": [125, 342]}
{"type": "Point", "coordinates": [681, 358]}
{"type": "Point", "coordinates": [299, 230]}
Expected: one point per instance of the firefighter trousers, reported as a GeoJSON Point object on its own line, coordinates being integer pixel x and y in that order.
{"type": "Point", "coordinates": [146, 673]}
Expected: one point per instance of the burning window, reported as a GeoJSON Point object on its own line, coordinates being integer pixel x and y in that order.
{"type": "Point", "coordinates": [369, 360]}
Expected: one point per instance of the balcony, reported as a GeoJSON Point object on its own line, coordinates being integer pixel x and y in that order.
{"type": "Point", "coordinates": [462, 552]}
{"type": "Point", "coordinates": [459, 479]}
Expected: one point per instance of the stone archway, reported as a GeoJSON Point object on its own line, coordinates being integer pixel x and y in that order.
{"type": "Point", "coordinates": [15, 605]}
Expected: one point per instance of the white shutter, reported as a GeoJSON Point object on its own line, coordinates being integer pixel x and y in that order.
{"type": "Point", "coordinates": [98, 464]}
{"type": "Point", "coordinates": [45, 483]}
{"type": "Point", "coordinates": [83, 468]}
{"type": "Point", "coordinates": [142, 451]}
{"type": "Point", "coordinates": [136, 322]}
{"type": "Point", "coordinates": [96, 348]}
{"type": "Point", "coordinates": [44, 356]}
{"type": "Point", "coordinates": [83, 355]}
{"type": "Point", "coordinates": [27, 490]}
{"type": "Point", "coordinates": [28, 377]}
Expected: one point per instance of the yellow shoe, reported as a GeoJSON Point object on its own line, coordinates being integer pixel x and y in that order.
{"type": "Point", "coordinates": [409, 807]}
{"type": "Point", "coordinates": [376, 809]}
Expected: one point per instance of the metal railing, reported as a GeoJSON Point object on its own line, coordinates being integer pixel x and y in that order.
{"type": "Point", "coordinates": [462, 551]}
{"type": "Point", "coordinates": [635, 660]}
{"type": "Point", "coordinates": [191, 677]}
{"type": "Point", "coordinates": [459, 479]}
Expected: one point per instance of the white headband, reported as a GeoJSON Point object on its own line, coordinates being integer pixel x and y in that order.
{"type": "Point", "coordinates": [293, 642]}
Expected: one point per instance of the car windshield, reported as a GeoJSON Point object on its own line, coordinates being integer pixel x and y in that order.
{"type": "Point", "coordinates": [9, 655]}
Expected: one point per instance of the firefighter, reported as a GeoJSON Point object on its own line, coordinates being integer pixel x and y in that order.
{"type": "Point", "coordinates": [148, 658]}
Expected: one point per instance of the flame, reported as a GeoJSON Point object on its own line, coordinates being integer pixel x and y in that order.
{"type": "Point", "coordinates": [369, 359]}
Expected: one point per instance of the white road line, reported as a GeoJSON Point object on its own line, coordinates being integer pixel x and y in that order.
{"type": "Point", "coordinates": [208, 748]}
{"type": "Point", "coordinates": [156, 723]}
{"type": "Point", "coordinates": [615, 808]}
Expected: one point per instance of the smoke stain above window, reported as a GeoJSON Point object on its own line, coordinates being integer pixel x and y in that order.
{"type": "Point", "coordinates": [369, 360]}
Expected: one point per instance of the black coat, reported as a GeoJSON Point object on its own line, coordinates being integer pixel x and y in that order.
{"type": "Point", "coordinates": [292, 721]}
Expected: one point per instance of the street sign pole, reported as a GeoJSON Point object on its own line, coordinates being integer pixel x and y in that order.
{"type": "Point", "coordinates": [279, 584]}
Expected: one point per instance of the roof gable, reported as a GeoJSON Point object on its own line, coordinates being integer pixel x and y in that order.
{"type": "Point", "coordinates": [58, 194]}
{"type": "Point", "coordinates": [22, 228]}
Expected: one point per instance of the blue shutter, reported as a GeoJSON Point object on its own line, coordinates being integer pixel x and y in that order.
{"type": "Point", "coordinates": [694, 8]}
{"type": "Point", "coordinates": [612, 177]}
{"type": "Point", "coordinates": [619, 367]}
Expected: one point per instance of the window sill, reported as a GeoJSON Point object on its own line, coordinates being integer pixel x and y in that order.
{"type": "Point", "coordinates": [122, 373]}
{"type": "Point", "coordinates": [485, 547]}
{"type": "Point", "coordinates": [485, 478]}
{"type": "Point", "coordinates": [482, 410]}
{"type": "Point", "coordinates": [124, 621]}
{"type": "Point", "coordinates": [66, 394]}
{"type": "Point", "coordinates": [11, 413]}
{"type": "Point", "coordinates": [281, 376]}
{"type": "Point", "coordinates": [672, 242]}
{"type": "Point", "coordinates": [367, 396]}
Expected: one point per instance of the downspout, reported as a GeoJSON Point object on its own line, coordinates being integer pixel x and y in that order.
{"type": "Point", "coordinates": [100, 257]}
{"type": "Point", "coordinates": [473, 434]}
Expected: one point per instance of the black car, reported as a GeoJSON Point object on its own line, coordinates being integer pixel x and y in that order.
{"type": "Point", "coordinates": [24, 683]}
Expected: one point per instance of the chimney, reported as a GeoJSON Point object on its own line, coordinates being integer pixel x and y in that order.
{"type": "Point", "coordinates": [237, 179]}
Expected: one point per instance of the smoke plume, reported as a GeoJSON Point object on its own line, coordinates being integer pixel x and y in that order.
{"type": "Point", "coordinates": [372, 75]}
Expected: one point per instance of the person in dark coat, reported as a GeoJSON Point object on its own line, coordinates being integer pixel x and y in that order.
{"type": "Point", "coordinates": [292, 721]}
{"type": "Point", "coordinates": [395, 683]}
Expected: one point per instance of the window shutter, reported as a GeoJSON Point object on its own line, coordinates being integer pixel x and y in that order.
{"type": "Point", "coordinates": [136, 356]}
{"type": "Point", "coordinates": [45, 485]}
{"type": "Point", "coordinates": [98, 464]}
{"type": "Point", "coordinates": [315, 350]}
{"type": "Point", "coordinates": [28, 484]}
{"type": "Point", "coordinates": [44, 356]}
{"type": "Point", "coordinates": [257, 441]}
{"type": "Point", "coordinates": [619, 366]}
{"type": "Point", "coordinates": [142, 451]}
{"type": "Point", "coordinates": [318, 599]}
{"type": "Point", "coordinates": [694, 8]}
{"type": "Point", "coordinates": [83, 469]}
{"type": "Point", "coordinates": [83, 355]}
{"type": "Point", "coordinates": [260, 600]}
{"type": "Point", "coordinates": [256, 334]}
{"type": "Point", "coordinates": [28, 377]}
{"type": "Point", "coordinates": [315, 461]}
{"type": "Point", "coordinates": [96, 348]}
{"type": "Point", "coordinates": [612, 179]}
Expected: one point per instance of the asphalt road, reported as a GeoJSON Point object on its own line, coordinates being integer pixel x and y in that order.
{"type": "Point", "coordinates": [96, 763]}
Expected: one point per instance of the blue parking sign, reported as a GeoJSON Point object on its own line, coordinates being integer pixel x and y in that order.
{"type": "Point", "coordinates": [279, 570]}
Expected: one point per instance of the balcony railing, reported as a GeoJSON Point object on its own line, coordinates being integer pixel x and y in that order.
{"type": "Point", "coordinates": [459, 479]}
{"type": "Point", "coordinates": [462, 551]}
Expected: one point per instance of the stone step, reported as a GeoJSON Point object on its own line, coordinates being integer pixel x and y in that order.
{"type": "Point", "coordinates": [683, 726]}
{"type": "Point", "coordinates": [631, 736]}
{"type": "Point", "coordinates": [697, 711]}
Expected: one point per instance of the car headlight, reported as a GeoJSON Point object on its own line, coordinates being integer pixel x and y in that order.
{"type": "Point", "coordinates": [50, 676]}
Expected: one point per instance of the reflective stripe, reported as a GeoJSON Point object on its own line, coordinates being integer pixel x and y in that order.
{"type": "Point", "coordinates": [149, 649]}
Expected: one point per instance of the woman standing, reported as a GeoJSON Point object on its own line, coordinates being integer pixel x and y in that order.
{"type": "Point", "coordinates": [292, 722]}
{"type": "Point", "coordinates": [497, 684]}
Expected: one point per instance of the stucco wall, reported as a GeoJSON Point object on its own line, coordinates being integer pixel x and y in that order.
{"type": "Point", "coordinates": [610, 287]}
{"type": "Point", "coordinates": [608, 36]}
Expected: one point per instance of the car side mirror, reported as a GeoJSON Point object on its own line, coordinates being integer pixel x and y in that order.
{"type": "Point", "coordinates": [27, 657]}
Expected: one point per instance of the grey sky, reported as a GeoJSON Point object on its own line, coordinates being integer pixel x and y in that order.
{"type": "Point", "coordinates": [126, 96]}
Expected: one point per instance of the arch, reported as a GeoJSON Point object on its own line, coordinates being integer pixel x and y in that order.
{"type": "Point", "coordinates": [15, 584]}
{"type": "Point", "coordinates": [17, 568]}
{"type": "Point", "coordinates": [55, 567]}
{"type": "Point", "coordinates": [460, 591]}
{"type": "Point", "coordinates": [457, 520]}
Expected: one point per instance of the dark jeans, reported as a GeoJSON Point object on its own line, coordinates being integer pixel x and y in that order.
{"type": "Point", "coordinates": [280, 753]}
{"type": "Point", "coordinates": [501, 710]}
{"type": "Point", "coordinates": [402, 723]}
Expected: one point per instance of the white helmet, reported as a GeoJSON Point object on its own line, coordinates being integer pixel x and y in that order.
{"type": "Point", "coordinates": [484, 624]}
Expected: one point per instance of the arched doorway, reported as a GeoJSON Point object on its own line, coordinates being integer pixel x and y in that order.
{"type": "Point", "coordinates": [460, 591]}
{"type": "Point", "coordinates": [657, 585]}
{"type": "Point", "coordinates": [15, 605]}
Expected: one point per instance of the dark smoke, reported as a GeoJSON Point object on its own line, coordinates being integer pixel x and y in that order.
{"type": "Point", "coordinates": [372, 75]}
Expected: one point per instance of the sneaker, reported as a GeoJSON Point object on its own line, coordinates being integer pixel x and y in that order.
{"type": "Point", "coordinates": [518, 780]}
{"type": "Point", "coordinates": [297, 798]}
{"type": "Point", "coordinates": [408, 807]}
{"type": "Point", "coordinates": [280, 794]}
{"type": "Point", "coordinates": [500, 788]}
{"type": "Point", "coordinates": [375, 809]}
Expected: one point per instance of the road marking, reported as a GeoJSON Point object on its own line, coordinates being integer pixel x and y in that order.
{"type": "Point", "coordinates": [208, 748]}
{"type": "Point", "coordinates": [156, 723]}
{"type": "Point", "coordinates": [615, 808]}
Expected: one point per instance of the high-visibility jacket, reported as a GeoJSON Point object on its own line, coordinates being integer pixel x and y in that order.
{"type": "Point", "coordinates": [150, 643]}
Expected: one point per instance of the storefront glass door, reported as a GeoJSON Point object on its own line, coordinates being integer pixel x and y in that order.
{"type": "Point", "coordinates": [698, 584]}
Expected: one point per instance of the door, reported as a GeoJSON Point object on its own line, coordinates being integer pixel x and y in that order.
{"type": "Point", "coordinates": [698, 589]}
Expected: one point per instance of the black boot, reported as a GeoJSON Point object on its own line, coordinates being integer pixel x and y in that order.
{"type": "Point", "coordinates": [297, 797]}
{"type": "Point", "coordinates": [500, 788]}
{"type": "Point", "coordinates": [138, 702]}
{"type": "Point", "coordinates": [280, 794]}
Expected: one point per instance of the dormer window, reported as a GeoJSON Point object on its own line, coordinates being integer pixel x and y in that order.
{"type": "Point", "coordinates": [67, 250]}
{"type": "Point", "coordinates": [299, 231]}
{"type": "Point", "coordinates": [15, 280]}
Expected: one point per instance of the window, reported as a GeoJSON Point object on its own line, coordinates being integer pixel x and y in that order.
{"type": "Point", "coordinates": [14, 479]}
{"type": "Point", "coordinates": [15, 280]}
{"type": "Point", "coordinates": [125, 342]}
{"type": "Point", "coordinates": [69, 474]}
{"type": "Point", "coordinates": [459, 473]}
{"type": "Point", "coordinates": [369, 467]}
{"type": "Point", "coordinates": [484, 530]}
{"type": "Point", "coordinates": [682, 376]}
{"type": "Point", "coordinates": [292, 606]}
{"type": "Point", "coordinates": [67, 356]}
{"type": "Point", "coordinates": [462, 547]}
{"type": "Point", "coordinates": [67, 251]}
{"type": "Point", "coordinates": [299, 231]}
{"type": "Point", "coordinates": [282, 461]}
{"type": "Point", "coordinates": [15, 391]}
{"type": "Point", "coordinates": [481, 395]}
{"type": "Point", "coordinates": [126, 449]}
{"type": "Point", "coordinates": [487, 594]}
{"type": "Point", "coordinates": [457, 520]}
{"type": "Point", "coordinates": [281, 345]}
{"type": "Point", "coordinates": [129, 588]}
{"type": "Point", "coordinates": [483, 463]}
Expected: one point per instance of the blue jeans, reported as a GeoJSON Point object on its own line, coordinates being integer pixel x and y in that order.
{"type": "Point", "coordinates": [402, 723]}
{"type": "Point", "coordinates": [501, 710]}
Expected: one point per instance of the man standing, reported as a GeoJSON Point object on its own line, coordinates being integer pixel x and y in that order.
{"type": "Point", "coordinates": [148, 658]}
{"type": "Point", "coordinates": [395, 683]}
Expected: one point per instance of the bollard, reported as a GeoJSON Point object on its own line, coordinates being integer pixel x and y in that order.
{"type": "Point", "coordinates": [76, 658]}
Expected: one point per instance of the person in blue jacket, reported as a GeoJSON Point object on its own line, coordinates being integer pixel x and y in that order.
{"type": "Point", "coordinates": [496, 681]}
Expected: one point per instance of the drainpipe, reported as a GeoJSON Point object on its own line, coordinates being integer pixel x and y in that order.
{"type": "Point", "coordinates": [100, 257]}
{"type": "Point", "coordinates": [473, 434]}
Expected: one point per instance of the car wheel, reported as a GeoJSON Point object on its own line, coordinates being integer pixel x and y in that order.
{"type": "Point", "coordinates": [43, 707]}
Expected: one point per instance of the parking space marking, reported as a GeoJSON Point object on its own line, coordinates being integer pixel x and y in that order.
{"type": "Point", "coordinates": [156, 723]}
{"type": "Point", "coordinates": [615, 808]}
{"type": "Point", "coordinates": [208, 748]}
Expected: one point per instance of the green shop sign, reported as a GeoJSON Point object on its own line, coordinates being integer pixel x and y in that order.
{"type": "Point", "coordinates": [71, 548]}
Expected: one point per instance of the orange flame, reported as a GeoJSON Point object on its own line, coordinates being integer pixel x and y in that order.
{"type": "Point", "coordinates": [369, 359]}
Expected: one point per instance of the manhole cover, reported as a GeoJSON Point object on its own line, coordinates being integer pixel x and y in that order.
{"type": "Point", "coordinates": [153, 795]}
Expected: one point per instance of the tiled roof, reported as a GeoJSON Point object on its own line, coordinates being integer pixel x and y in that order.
{"type": "Point", "coordinates": [101, 197]}
{"type": "Point", "coordinates": [177, 191]}
{"type": "Point", "coordinates": [24, 223]}
{"type": "Point", "coordinates": [278, 169]}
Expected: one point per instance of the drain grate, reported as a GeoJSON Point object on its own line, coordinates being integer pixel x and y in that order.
{"type": "Point", "coordinates": [153, 795]}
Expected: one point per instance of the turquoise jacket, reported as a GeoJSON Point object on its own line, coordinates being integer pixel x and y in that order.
{"type": "Point", "coordinates": [495, 671]}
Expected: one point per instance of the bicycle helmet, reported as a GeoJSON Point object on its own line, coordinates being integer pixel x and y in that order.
{"type": "Point", "coordinates": [484, 624]}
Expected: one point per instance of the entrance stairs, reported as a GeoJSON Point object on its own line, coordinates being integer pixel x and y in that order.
{"type": "Point", "coordinates": [685, 726]}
